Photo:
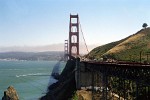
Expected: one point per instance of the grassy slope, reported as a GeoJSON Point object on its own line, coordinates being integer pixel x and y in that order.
{"type": "Point", "coordinates": [126, 49]}
{"type": "Point", "coordinates": [99, 51]}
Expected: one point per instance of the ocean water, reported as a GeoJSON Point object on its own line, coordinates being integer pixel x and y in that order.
{"type": "Point", "coordinates": [29, 78]}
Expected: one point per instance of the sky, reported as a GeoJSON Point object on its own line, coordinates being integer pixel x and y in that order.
{"type": "Point", "coordinates": [46, 22]}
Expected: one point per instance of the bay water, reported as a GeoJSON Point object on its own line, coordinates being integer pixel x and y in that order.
{"type": "Point", "coordinates": [29, 78]}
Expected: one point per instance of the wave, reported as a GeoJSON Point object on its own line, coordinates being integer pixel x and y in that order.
{"type": "Point", "coordinates": [10, 69]}
{"type": "Point", "coordinates": [14, 69]}
{"type": "Point", "coordinates": [33, 74]}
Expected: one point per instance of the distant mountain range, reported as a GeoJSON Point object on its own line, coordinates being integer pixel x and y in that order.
{"type": "Point", "coordinates": [129, 48]}
{"type": "Point", "coordinates": [32, 56]}
{"type": "Point", "coordinates": [47, 52]}
{"type": "Point", "coordinates": [52, 47]}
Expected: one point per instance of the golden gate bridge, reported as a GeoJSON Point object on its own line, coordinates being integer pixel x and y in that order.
{"type": "Point", "coordinates": [117, 80]}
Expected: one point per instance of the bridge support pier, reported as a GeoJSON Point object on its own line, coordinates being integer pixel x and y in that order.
{"type": "Point", "coordinates": [77, 74]}
{"type": "Point", "coordinates": [105, 86]}
{"type": "Point", "coordinates": [124, 88]}
{"type": "Point", "coordinates": [137, 90]}
{"type": "Point", "coordinates": [93, 85]}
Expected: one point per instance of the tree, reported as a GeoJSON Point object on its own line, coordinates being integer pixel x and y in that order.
{"type": "Point", "coordinates": [144, 25]}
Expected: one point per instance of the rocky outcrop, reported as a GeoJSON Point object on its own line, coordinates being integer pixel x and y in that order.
{"type": "Point", "coordinates": [10, 94]}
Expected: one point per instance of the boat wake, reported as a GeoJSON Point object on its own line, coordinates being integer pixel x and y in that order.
{"type": "Point", "coordinates": [33, 74]}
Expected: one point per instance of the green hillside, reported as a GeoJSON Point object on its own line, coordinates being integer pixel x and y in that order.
{"type": "Point", "coordinates": [126, 49]}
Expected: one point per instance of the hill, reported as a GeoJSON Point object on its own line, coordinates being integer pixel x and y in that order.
{"type": "Point", "coordinates": [126, 49]}
{"type": "Point", "coordinates": [33, 56]}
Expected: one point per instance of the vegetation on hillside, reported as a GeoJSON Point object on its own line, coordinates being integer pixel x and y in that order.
{"type": "Point", "coordinates": [99, 51]}
{"type": "Point", "coordinates": [128, 49]}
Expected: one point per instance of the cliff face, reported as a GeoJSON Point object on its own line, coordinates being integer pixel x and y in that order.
{"type": "Point", "coordinates": [10, 94]}
{"type": "Point", "coordinates": [65, 87]}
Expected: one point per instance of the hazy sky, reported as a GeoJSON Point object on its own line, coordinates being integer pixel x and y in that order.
{"type": "Point", "coordinates": [44, 22]}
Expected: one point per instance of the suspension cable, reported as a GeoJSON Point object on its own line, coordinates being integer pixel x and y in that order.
{"type": "Point", "coordinates": [83, 37]}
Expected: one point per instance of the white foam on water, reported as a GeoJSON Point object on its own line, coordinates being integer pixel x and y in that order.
{"type": "Point", "coordinates": [31, 74]}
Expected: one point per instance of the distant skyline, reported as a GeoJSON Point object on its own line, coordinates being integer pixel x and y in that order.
{"type": "Point", "coordinates": [46, 22]}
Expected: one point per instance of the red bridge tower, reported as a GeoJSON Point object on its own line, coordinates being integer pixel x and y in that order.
{"type": "Point", "coordinates": [74, 35]}
{"type": "Point", "coordinates": [66, 50]}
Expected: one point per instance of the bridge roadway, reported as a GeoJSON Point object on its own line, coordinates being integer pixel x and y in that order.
{"type": "Point", "coordinates": [124, 72]}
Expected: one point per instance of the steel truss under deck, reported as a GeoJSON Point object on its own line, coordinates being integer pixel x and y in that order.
{"type": "Point", "coordinates": [123, 81]}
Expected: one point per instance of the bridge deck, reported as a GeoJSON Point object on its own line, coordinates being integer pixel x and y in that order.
{"type": "Point", "coordinates": [131, 64]}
